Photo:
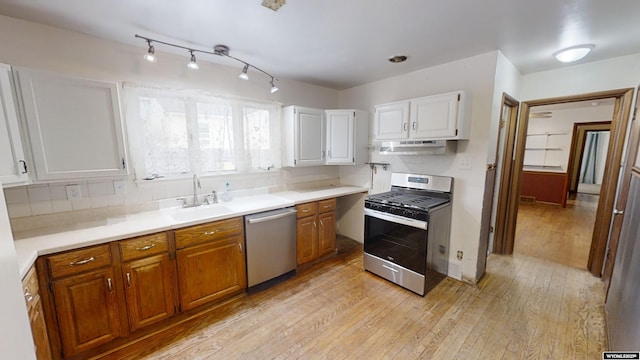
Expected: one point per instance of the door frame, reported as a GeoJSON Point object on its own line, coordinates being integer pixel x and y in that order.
{"type": "Point", "coordinates": [621, 204]}
{"type": "Point", "coordinates": [500, 245]}
{"type": "Point", "coordinates": [576, 151]}
{"type": "Point", "coordinates": [619, 122]}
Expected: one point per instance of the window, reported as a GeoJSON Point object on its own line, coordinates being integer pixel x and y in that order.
{"type": "Point", "coordinates": [185, 132]}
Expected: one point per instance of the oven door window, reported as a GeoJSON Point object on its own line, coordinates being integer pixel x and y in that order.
{"type": "Point", "coordinates": [401, 244]}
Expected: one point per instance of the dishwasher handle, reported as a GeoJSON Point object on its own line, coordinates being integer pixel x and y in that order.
{"type": "Point", "coordinates": [256, 220]}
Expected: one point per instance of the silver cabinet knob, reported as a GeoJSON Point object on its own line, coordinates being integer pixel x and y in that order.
{"type": "Point", "coordinates": [618, 212]}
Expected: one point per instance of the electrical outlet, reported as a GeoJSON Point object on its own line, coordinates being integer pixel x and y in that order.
{"type": "Point", "coordinates": [119, 187]}
{"type": "Point", "coordinates": [73, 192]}
{"type": "Point", "coordinates": [459, 255]}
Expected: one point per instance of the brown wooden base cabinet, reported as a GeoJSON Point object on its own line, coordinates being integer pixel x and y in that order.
{"type": "Point", "coordinates": [36, 315]}
{"type": "Point", "coordinates": [120, 291]}
{"type": "Point", "coordinates": [211, 262]}
{"type": "Point", "coordinates": [316, 230]}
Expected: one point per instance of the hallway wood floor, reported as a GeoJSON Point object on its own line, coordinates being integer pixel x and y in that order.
{"type": "Point", "coordinates": [523, 308]}
{"type": "Point", "coordinates": [558, 234]}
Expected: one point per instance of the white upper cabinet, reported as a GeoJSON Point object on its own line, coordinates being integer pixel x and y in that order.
{"type": "Point", "coordinates": [437, 117]}
{"type": "Point", "coordinates": [13, 165]}
{"type": "Point", "coordinates": [347, 137]}
{"type": "Point", "coordinates": [74, 126]}
{"type": "Point", "coordinates": [391, 121]}
{"type": "Point", "coordinates": [303, 136]}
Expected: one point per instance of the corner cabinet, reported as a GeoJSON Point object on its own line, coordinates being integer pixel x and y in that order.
{"type": "Point", "coordinates": [303, 136]}
{"type": "Point", "coordinates": [74, 126]}
{"type": "Point", "coordinates": [36, 315]}
{"type": "Point", "coordinates": [13, 165]}
{"type": "Point", "coordinates": [437, 117]}
{"type": "Point", "coordinates": [347, 137]}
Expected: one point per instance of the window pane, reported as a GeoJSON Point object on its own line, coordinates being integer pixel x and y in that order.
{"type": "Point", "coordinates": [165, 135]}
{"type": "Point", "coordinates": [215, 136]}
{"type": "Point", "coordinates": [257, 137]}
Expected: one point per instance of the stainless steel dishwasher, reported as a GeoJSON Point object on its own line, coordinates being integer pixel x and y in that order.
{"type": "Point", "coordinates": [271, 247]}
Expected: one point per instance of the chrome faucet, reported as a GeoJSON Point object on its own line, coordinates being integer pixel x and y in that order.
{"type": "Point", "coordinates": [196, 186]}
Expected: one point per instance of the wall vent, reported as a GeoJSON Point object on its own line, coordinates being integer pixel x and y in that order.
{"type": "Point", "coordinates": [527, 199]}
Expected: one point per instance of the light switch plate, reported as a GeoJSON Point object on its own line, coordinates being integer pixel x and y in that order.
{"type": "Point", "coordinates": [73, 192]}
{"type": "Point", "coordinates": [465, 163]}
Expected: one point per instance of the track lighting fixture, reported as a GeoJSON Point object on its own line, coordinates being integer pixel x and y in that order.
{"type": "Point", "coordinates": [243, 75]}
{"type": "Point", "coordinates": [220, 50]}
{"type": "Point", "coordinates": [193, 65]}
{"type": "Point", "coordinates": [150, 55]}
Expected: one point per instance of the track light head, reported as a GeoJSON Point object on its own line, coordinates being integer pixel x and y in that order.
{"type": "Point", "coordinates": [274, 88]}
{"type": "Point", "coordinates": [150, 56]}
{"type": "Point", "coordinates": [243, 75]}
{"type": "Point", "coordinates": [193, 65]}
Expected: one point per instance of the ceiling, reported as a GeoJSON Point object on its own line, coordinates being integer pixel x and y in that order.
{"type": "Point", "coordinates": [341, 44]}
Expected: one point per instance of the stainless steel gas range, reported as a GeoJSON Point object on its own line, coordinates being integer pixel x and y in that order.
{"type": "Point", "coordinates": [407, 229]}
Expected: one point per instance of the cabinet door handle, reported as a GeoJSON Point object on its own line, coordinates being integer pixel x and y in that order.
{"type": "Point", "coordinates": [82, 262]}
{"type": "Point", "coordinates": [306, 210]}
{"type": "Point", "coordinates": [413, 125]}
{"type": "Point", "coordinates": [315, 225]}
{"type": "Point", "coordinates": [240, 247]}
{"type": "Point", "coordinates": [146, 247]}
{"type": "Point", "coordinates": [211, 232]}
{"type": "Point", "coordinates": [24, 166]}
{"type": "Point", "coordinates": [129, 279]}
{"type": "Point", "coordinates": [28, 296]}
{"type": "Point", "coordinates": [109, 285]}
{"type": "Point", "coordinates": [404, 126]}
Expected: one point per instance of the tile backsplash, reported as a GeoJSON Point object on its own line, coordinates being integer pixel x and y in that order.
{"type": "Point", "coordinates": [46, 205]}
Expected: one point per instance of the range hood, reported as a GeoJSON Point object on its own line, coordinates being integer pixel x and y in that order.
{"type": "Point", "coordinates": [424, 147]}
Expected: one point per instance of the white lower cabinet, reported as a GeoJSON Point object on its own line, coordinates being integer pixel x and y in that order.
{"type": "Point", "coordinates": [13, 164]}
{"type": "Point", "coordinates": [74, 126]}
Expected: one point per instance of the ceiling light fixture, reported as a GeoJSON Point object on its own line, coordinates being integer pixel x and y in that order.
{"type": "Point", "coordinates": [220, 50]}
{"type": "Point", "coordinates": [243, 75]}
{"type": "Point", "coordinates": [273, 4]}
{"type": "Point", "coordinates": [193, 65]}
{"type": "Point", "coordinates": [397, 59]}
{"type": "Point", "coordinates": [150, 55]}
{"type": "Point", "coordinates": [573, 53]}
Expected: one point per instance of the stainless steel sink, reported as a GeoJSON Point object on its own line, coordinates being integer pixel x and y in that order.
{"type": "Point", "coordinates": [202, 212]}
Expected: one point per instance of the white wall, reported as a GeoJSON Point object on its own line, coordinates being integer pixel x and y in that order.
{"type": "Point", "coordinates": [561, 124]}
{"type": "Point", "coordinates": [614, 73]}
{"type": "Point", "coordinates": [15, 331]}
{"type": "Point", "coordinates": [475, 76]}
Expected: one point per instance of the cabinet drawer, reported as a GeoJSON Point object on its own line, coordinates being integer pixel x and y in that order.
{"type": "Point", "coordinates": [307, 209]}
{"type": "Point", "coordinates": [208, 232]}
{"type": "Point", "coordinates": [326, 205]}
{"type": "Point", "coordinates": [143, 246]}
{"type": "Point", "coordinates": [77, 261]}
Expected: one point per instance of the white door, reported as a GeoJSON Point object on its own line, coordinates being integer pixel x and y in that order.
{"type": "Point", "coordinates": [391, 121]}
{"type": "Point", "coordinates": [74, 126]}
{"type": "Point", "coordinates": [434, 117]}
{"type": "Point", "coordinates": [340, 137]}
{"type": "Point", "coordinates": [310, 137]}
{"type": "Point", "coordinates": [13, 166]}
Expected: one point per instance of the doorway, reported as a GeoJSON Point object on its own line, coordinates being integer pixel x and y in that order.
{"type": "Point", "coordinates": [622, 108]}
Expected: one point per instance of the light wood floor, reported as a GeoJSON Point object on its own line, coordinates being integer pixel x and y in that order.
{"type": "Point", "coordinates": [551, 232]}
{"type": "Point", "coordinates": [524, 307]}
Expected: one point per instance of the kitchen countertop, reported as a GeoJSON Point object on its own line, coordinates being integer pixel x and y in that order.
{"type": "Point", "coordinates": [30, 245]}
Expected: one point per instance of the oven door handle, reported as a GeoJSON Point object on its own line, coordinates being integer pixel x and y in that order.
{"type": "Point", "coordinates": [396, 219]}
